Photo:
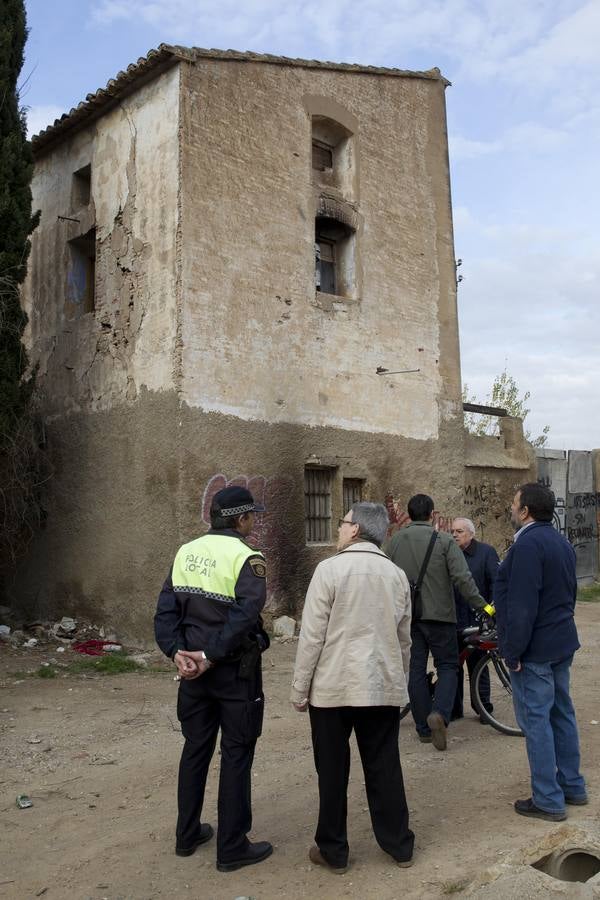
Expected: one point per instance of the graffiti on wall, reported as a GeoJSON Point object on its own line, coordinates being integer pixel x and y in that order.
{"type": "Point", "coordinates": [399, 518]}
{"type": "Point", "coordinates": [488, 509]}
{"type": "Point", "coordinates": [271, 532]}
{"type": "Point", "coordinates": [577, 510]}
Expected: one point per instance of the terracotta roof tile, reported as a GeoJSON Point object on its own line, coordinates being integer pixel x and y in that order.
{"type": "Point", "coordinates": [167, 55]}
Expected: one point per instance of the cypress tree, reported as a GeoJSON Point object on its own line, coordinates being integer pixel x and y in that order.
{"type": "Point", "coordinates": [16, 221]}
{"type": "Point", "coordinates": [20, 457]}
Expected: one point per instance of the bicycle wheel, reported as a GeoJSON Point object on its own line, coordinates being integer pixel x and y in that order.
{"type": "Point", "coordinates": [502, 717]}
{"type": "Point", "coordinates": [404, 711]}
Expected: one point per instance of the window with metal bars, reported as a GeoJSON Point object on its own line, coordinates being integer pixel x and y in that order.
{"type": "Point", "coordinates": [352, 489]}
{"type": "Point", "coordinates": [317, 505]}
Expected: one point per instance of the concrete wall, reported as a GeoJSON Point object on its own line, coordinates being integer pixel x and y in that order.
{"type": "Point", "coordinates": [494, 469]}
{"type": "Point", "coordinates": [209, 357]}
{"type": "Point", "coordinates": [574, 476]}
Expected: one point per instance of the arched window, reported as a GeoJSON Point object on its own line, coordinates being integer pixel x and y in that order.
{"type": "Point", "coordinates": [333, 155]}
{"type": "Point", "coordinates": [334, 161]}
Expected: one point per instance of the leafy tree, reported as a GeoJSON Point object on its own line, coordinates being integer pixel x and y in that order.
{"type": "Point", "coordinates": [17, 438]}
{"type": "Point", "coordinates": [505, 395]}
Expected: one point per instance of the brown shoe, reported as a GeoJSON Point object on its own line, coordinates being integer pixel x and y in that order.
{"type": "Point", "coordinates": [405, 863]}
{"type": "Point", "coordinates": [317, 859]}
{"type": "Point", "coordinates": [435, 721]}
{"type": "Point", "coordinates": [425, 738]}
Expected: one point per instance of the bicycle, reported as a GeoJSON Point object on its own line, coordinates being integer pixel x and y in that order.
{"type": "Point", "coordinates": [502, 716]}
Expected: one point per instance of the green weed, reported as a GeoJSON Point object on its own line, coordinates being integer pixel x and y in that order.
{"type": "Point", "coordinates": [589, 593]}
{"type": "Point", "coordinates": [454, 887]}
{"type": "Point", "coordinates": [45, 672]}
{"type": "Point", "coordinates": [110, 664]}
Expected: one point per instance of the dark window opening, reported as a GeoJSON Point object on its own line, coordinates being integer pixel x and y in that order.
{"type": "Point", "coordinates": [82, 187]}
{"type": "Point", "coordinates": [352, 491]}
{"type": "Point", "coordinates": [81, 281]}
{"type": "Point", "coordinates": [334, 257]}
{"type": "Point", "coordinates": [325, 265]}
{"type": "Point", "coordinates": [322, 156]}
{"type": "Point", "coordinates": [317, 505]}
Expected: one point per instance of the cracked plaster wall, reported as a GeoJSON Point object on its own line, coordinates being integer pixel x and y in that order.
{"type": "Point", "coordinates": [94, 360]}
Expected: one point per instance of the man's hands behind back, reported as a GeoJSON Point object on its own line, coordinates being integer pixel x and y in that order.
{"type": "Point", "coordinates": [191, 663]}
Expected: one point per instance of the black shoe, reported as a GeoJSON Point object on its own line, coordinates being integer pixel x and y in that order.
{"type": "Point", "coordinates": [435, 721]}
{"type": "Point", "coordinates": [204, 835]}
{"type": "Point", "coordinates": [254, 853]}
{"type": "Point", "coordinates": [424, 738]}
{"type": "Point", "coordinates": [528, 808]}
{"type": "Point", "coordinates": [577, 801]}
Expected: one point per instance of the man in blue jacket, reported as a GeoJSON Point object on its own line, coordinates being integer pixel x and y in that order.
{"type": "Point", "coordinates": [483, 563]}
{"type": "Point", "coordinates": [535, 603]}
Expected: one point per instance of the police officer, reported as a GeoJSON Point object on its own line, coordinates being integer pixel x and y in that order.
{"type": "Point", "coordinates": [208, 621]}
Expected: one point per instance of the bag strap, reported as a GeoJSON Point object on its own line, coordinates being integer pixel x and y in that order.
{"type": "Point", "coordinates": [425, 563]}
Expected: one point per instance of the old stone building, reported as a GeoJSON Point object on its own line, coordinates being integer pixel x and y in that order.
{"type": "Point", "coordinates": [232, 247]}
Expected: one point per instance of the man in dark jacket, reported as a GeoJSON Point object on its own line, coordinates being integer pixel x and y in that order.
{"type": "Point", "coordinates": [433, 627]}
{"type": "Point", "coordinates": [483, 563]}
{"type": "Point", "coordinates": [535, 601]}
{"type": "Point", "coordinates": [208, 622]}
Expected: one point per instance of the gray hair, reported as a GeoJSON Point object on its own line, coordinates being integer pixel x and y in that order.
{"type": "Point", "coordinates": [372, 519]}
{"type": "Point", "coordinates": [468, 523]}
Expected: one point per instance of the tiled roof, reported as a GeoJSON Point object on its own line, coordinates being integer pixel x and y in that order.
{"type": "Point", "coordinates": [167, 55]}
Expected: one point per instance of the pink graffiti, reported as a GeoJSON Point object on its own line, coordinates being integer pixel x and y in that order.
{"type": "Point", "coordinates": [270, 534]}
{"type": "Point", "coordinates": [399, 518]}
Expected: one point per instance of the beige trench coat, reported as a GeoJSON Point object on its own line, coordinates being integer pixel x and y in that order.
{"type": "Point", "coordinates": [354, 645]}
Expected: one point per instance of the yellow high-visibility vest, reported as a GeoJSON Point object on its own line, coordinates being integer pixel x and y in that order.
{"type": "Point", "coordinates": [211, 564]}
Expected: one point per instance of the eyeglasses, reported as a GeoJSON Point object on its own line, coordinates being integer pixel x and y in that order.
{"type": "Point", "coordinates": [345, 522]}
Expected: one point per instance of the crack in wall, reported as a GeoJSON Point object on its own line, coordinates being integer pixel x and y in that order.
{"type": "Point", "coordinates": [121, 295]}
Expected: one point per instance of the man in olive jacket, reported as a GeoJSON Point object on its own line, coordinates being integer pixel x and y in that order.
{"type": "Point", "coordinates": [434, 628]}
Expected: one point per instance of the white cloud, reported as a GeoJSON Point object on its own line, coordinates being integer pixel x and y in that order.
{"type": "Point", "coordinates": [537, 314]}
{"type": "Point", "coordinates": [39, 117]}
{"type": "Point", "coordinates": [463, 148]}
{"type": "Point", "coordinates": [572, 43]}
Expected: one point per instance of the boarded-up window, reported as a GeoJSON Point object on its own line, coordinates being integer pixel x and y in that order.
{"type": "Point", "coordinates": [325, 265]}
{"type": "Point", "coordinates": [317, 505]}
{"type": "Point", "coordinates": [322, 156]}
{"type": "Point", "coordinates": [352, 492]}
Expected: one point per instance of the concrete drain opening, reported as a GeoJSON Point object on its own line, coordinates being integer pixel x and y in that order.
{"type": "Point", "coordinates": [576, 864]}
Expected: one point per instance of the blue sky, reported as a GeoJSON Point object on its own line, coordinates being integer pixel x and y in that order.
{"type": "Point", "coordinates": [524, 126]}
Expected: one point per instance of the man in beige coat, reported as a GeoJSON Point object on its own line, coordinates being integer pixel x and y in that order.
{"type": "Point", "coordinates": [351, 665]}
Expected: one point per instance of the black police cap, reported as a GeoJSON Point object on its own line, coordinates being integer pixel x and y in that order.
{"type": "Point", "coordinates": [233, 501]}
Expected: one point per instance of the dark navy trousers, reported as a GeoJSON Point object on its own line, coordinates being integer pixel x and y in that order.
{"type": "Point", "coordinates": [219, 699]}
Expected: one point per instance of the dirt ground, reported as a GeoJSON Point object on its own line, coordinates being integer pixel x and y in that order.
{"type": "Point", "coordinates": [98, 756]}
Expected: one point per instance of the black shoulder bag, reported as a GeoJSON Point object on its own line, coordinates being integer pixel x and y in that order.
{"type": "Point", "coordinates": [415, 586]}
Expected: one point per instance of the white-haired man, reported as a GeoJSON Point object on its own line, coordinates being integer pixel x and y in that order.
{"type": "Point", "coordinates": [483, 563]}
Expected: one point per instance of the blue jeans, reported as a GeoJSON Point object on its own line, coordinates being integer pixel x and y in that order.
{"type": "Point", "coordinates": [545, 714]}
